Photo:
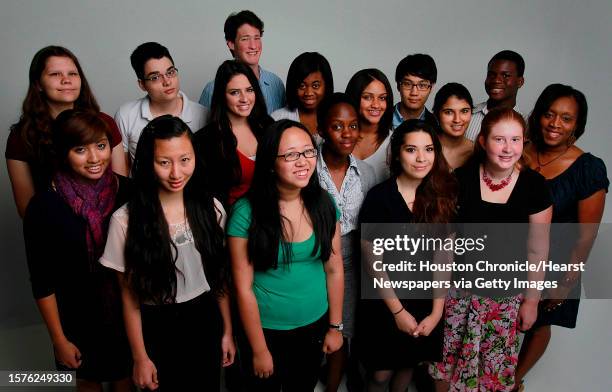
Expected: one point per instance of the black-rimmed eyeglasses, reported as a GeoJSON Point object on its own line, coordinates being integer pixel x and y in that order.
{"type": "Point", "coordinates": [421, 86]}
{"type": "Point", "coordinates": [294, 155]}
{"type": "Point", "coordinates": [169, 74]}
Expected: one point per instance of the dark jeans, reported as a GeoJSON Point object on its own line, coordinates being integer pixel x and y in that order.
{"type": "Point", "coordinates": [297, 355]}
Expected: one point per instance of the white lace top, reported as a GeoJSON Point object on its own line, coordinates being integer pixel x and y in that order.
{"type": "Point", "coordinates": [190, 278]}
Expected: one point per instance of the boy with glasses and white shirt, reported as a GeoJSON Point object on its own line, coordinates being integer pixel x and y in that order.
{"type": "Point", "coordinates": [159, 78]}
{"type": "Point", "coordinates": [415, 77]}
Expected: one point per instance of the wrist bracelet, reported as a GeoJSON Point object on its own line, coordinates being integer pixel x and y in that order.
{"type": "Point", "coordinates": [398, 312]}
{"type": "Point", "coordinates": [569, 282]}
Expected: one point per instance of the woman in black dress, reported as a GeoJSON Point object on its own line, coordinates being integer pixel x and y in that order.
{"type": "Point", "coordinates": [397, 334]}
{"type": "Point", "coordinates": [578, 183]}
{"type": "Point", "coordinates": [65, 228]}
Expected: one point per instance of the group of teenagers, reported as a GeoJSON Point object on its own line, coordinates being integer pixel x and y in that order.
{"type": "Point", "coordinates": [180, 237]}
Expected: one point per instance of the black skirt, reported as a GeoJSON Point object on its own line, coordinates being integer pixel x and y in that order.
{"type": "Point", "coordinates": [184, 342]}
{"type": "Point", "coordinates": [382, 346]}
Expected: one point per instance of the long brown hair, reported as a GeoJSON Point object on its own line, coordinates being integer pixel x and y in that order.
{"type": "Point", "coordinates": [436, 196]}
{"type": "Point", "coordinates": [34, 125]}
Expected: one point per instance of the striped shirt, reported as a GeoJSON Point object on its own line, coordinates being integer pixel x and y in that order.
{"type": "Point", "coordinates": [478, 114]}
{"type": "Point", "coordinates": [351, 195]}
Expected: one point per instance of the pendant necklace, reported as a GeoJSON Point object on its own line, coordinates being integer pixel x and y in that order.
{"type": "Point", "coordinates": [541, 165]}
{"type": "Point", "coordinates": [495, 187]}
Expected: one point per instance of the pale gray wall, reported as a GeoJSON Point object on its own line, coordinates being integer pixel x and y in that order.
{"type": "Point", "coordinates": [561, 40]}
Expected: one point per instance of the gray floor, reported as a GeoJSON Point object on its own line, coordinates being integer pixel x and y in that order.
{"type": "Point", "coordinates": [27, 348]}
{"type": "Point", "coordinates": [577, 360]}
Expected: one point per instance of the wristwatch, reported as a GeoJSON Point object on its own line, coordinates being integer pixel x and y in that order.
{"type": "Point", "coordinates": [338, 327]}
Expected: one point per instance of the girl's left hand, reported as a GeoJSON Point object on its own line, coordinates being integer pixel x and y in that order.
{"type": "Point", "coordinates": [228, 350]}
{"type": "Point", "coordinates": [333, 341]}
{"type": "Point", "coordinates": [427, 325]}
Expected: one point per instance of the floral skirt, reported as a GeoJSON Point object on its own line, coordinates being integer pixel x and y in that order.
{"type": "Point", "coordinates": [480, 343]}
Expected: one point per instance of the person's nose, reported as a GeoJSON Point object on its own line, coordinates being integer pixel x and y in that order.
{"type": "Point", "coordinates": [420, 157]}
{"type": "Point", "coordinates": [506, 146]}
{"type": "Point", "coordinates": [174, 171]}
{"type": "Point", "coordinates": [166, 80]}
{"type": "Point", "coordinates": [242, 97]}
{"type": "Point", "coordinates": [555, 122]}
{"type": "Point", "coordinates": [93, 155]}
{"type": "Point", "coordinates": [65, 79]}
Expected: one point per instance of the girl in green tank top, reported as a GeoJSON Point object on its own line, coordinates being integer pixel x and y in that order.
{"type": "Point", "coordinates": [284, 242]}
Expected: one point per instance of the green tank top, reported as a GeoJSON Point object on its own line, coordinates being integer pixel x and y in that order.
{"type": "Point", "coordinates": [292, 295]}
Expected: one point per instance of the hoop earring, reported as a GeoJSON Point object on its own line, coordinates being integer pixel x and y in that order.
{"type": "Point", "coordinates": [571, 140]}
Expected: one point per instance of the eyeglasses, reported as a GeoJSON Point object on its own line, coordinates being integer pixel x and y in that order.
{"type": "Point", "coordinates": [294, 155]}
{"type": "Point", "coordinates": [170, 74]}
{"type": "Point", "coordinates": [421, 86]}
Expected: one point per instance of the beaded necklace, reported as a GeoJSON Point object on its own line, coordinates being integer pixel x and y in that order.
{"type": "Point", "coordinates": [491, 185]}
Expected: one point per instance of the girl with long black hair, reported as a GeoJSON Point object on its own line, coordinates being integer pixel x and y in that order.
{"type": "Point", "coordinates": [168, 245]}
{"type": "Point", "coordinates": [453, 110]}
{"type": "Point", "coordinates": [284, 240]}
{"type": "Point", "coordinates": [228, 143]}
{"type": "Point", "coordinates": [370, 92]}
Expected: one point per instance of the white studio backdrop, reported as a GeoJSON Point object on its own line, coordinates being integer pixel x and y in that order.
{"type": "Point", "coordinates": [562, 41]}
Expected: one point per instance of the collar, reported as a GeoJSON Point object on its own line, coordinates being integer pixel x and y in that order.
{"type": "Point", "coordinates": [397, 115]}
{"type": "Point", "coordinates": [422, 115]}
{"type": "Point", "coordinates": [323, 166]}
{"type": "Point", "coordinates": [481, 107]}
{"type": "Point", "coordinates": [145, 108]}
{"type": "Point", "coordinates": [264, 76]}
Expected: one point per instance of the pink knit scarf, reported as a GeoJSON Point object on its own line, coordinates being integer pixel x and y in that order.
{"type": "Point", "coordinates": [94, 202]}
